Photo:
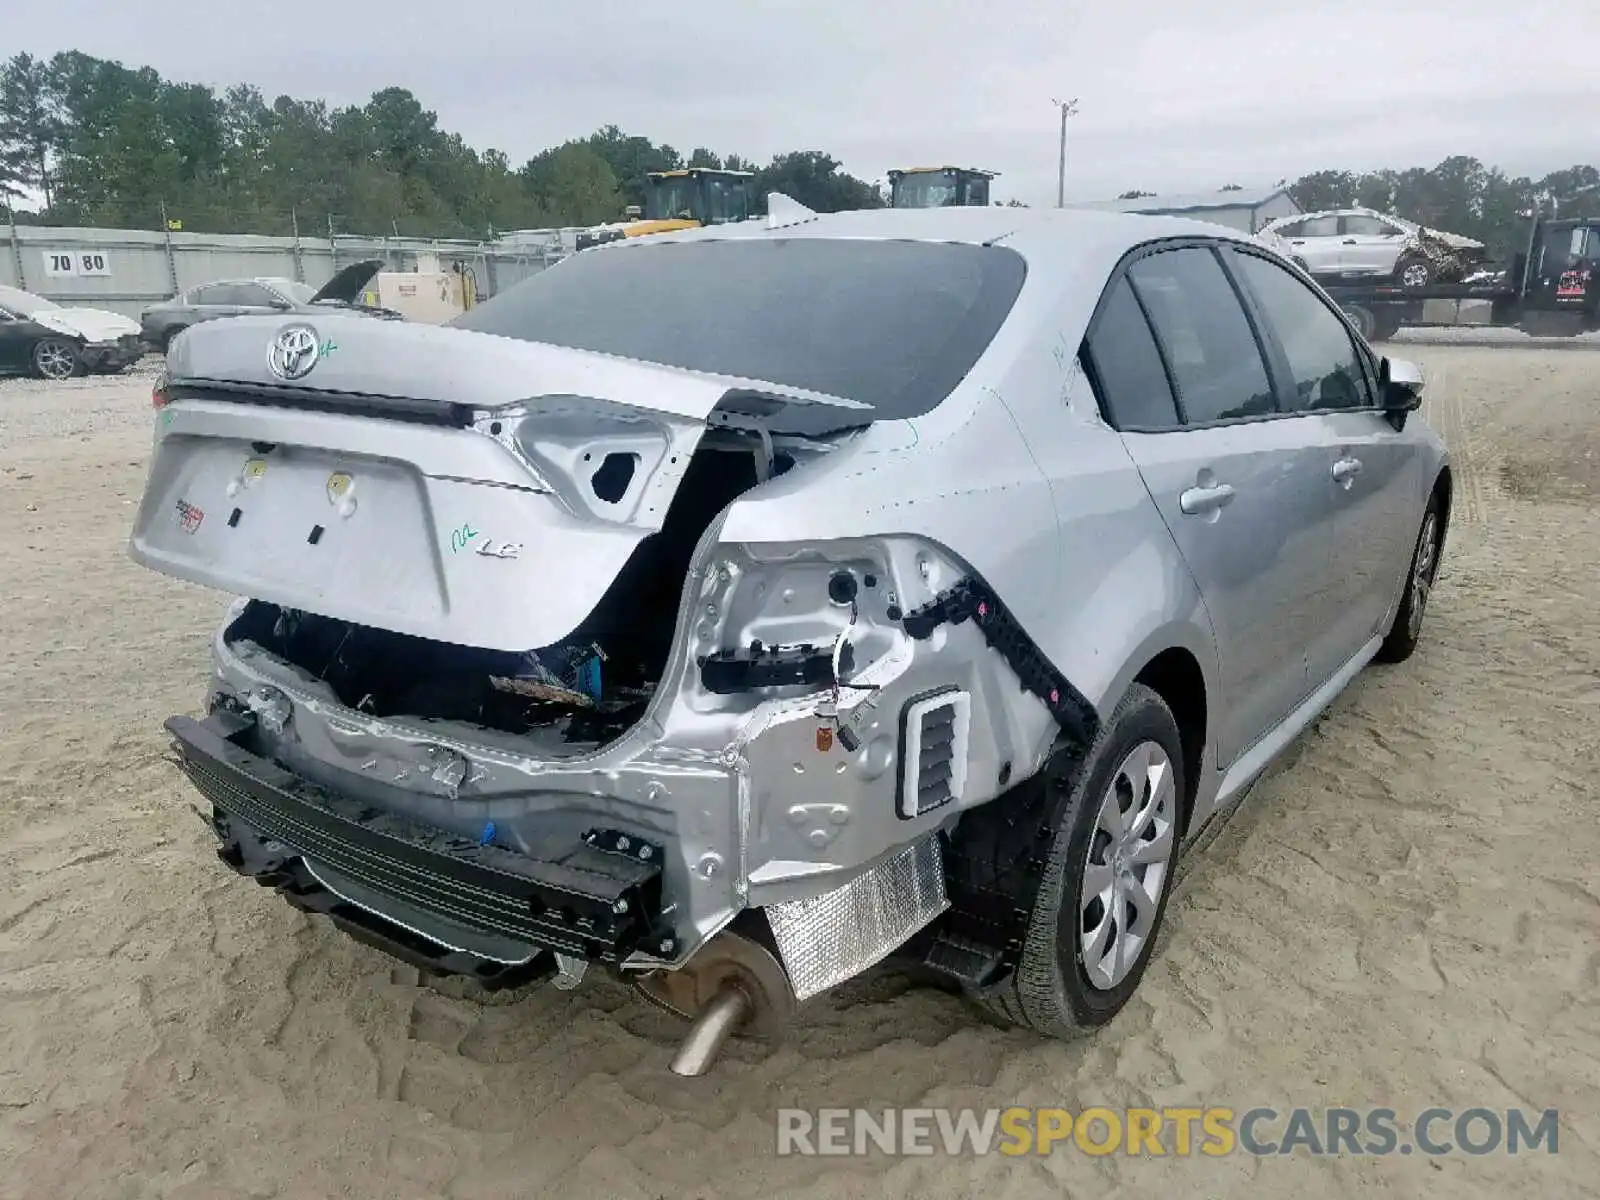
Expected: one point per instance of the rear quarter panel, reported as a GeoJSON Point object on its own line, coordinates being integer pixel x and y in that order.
{"type": "Point", "coordinates": [1017, 476]}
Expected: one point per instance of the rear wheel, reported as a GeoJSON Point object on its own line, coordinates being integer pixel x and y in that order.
{"type": "Point", "coordinates": [1406, 631]}
{"type": "Point", "coordinates": [1104, 888]}
{"type": "Point", "coordinates": [1384, 327]}
{"type": "Point", "coordinates": [56, 358]}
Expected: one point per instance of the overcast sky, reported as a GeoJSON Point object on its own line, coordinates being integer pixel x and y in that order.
{"type": "Point", "coordinates": [1174, 95]}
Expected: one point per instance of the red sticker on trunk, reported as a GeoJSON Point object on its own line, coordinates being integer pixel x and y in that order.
{"type": "Point", "coordinates": [189, 517]}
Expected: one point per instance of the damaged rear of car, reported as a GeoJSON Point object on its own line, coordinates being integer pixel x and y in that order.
{"type": "Point", "coordinates": [585, 629]}
{"type": "Point", "coordinates": [736, 608]}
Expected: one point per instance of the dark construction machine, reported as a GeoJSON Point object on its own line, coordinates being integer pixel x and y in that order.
{"type": "Point", "coordinates": [681, 199]}
{"type": "Point", "coordinates": [939, 187]}
{"type": "Point", "coordinates": [1550, 288]}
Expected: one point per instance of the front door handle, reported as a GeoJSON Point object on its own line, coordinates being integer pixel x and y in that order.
{"type": "Point", "coordinates": [1346, 469]}
{"type": "Point", "coordinates": [1349, 242]}
{"type": "Point", "coordinates": [1198, 501]}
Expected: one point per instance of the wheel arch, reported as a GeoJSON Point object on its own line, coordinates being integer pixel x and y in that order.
{"type": "Point", "coordinates": [1443, 489]}
{"type": "Point", "coordinates": [1176, 676]}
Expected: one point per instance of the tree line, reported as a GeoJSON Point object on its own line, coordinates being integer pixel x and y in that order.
{"type": "Point", "coordinates": [100, 143]}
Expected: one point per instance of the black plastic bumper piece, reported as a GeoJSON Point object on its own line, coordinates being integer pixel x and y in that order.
{"type": "Point", "coordinates": [254, 857]}
{"type": "Point", "coordinates": [583, 900]}
{"type": "Point", "coordinates": [971, 599]}
{"type": "Point", "coordinates": [730, 672]}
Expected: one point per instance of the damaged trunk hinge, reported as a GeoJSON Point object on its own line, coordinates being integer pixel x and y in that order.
{"type": "Point", "coordinates": [970, 599]}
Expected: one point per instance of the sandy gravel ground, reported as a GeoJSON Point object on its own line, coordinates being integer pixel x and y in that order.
{"type": "Point", "coordinates": [1406, 914]}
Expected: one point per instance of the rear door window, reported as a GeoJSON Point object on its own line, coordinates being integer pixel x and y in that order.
{"type": "Point", "coordinates": [1126, 364]}
{"type": "Point", "coordinates": [1325, 365]}
{"type": "Point", "coordinates": [253, 295]}
{"type": "Point", "coordinates": [1361, 225]}
{"type": "Point", "coordinates": [1210, 349]}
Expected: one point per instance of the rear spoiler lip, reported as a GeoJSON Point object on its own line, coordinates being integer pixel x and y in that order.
{"type": "Point", "coordinates": [456, 415]}
{"type": "Point", "coordinates": [447, 414]}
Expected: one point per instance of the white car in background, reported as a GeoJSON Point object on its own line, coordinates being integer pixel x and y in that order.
{"type": "Point", "coordinates": [1361, 243]}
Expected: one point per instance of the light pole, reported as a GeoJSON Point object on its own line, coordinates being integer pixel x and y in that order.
{"type": "Point", "coordinates": [1069, 108]}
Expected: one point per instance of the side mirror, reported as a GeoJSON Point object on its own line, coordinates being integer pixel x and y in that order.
{"type": "Point", "coordinates": [1400, 382]}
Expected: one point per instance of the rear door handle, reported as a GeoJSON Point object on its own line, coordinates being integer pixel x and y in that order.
{"type": "Point", "coordinates": [1346, 469]}
{"type": "Point", "coordinates": [1198, 501]}
{"type": "Point", "coordinates": [1349, 241]}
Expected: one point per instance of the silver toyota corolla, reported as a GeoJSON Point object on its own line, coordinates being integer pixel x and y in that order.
{"type": "Point", "coordinates": [739, 607]}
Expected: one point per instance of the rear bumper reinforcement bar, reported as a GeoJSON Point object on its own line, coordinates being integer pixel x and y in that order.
{"type": "Point", "coordinates": [582, 900]}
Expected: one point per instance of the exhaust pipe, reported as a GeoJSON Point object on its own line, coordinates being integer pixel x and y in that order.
{"type": "Point", "coordinates": [733, 985]}
{"type": "Point", "coordinates": [717, 1022]}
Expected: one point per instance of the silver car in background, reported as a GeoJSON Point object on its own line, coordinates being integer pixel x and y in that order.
{"type": "Point", "coordinates": [735, 608]}
{"type": "Point", "coordinates": [160, 323]}
{"type": "Point", "coordinates": [1364, 244]}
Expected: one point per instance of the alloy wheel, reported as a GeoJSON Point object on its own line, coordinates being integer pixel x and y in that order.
{"type": "Point", "coordinates": [1422, 572]}
{"type": "Point", "coordinates": [1130, 854]}
{"type": "Point", "coordinates": [55, 359]}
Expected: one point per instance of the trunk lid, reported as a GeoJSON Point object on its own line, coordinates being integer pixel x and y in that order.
{"type": "Point", "coordinates": [347, 283]}
{"type": "Point", "coordinates": [433, 481]}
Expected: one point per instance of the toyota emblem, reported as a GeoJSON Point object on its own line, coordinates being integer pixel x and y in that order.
{"type": "Point", "coordinates": [293, 352]}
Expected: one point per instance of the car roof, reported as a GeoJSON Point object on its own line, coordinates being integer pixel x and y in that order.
{"type": "Point", "coordinates": [278, 280]}
{"type": "Point", "coordinates": [1355, 210]}
{"type": "Point", "coordinates": [1070, 253]}
{"type": "Point", "coordinates": [16, 298]}
{"type": "Point", "coordinates": [1032, 232]}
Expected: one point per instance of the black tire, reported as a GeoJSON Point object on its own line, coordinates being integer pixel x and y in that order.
{"type": "Point", "coordinates": [1414, 272]}
{"type": "Point", "coordinates": [55, 358]}
{"type": "Point", "coordinates": [1050, 990]}
{"type": "Point", "coordinates": [1365, 321]}
{"type": "Point", "coordinates": [1406, 631]}
{"type": "Point", "coordinates": [1383, 328]}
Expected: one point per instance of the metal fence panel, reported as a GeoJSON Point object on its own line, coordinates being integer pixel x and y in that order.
{"type": "Point", "coordinates": [126, 269]}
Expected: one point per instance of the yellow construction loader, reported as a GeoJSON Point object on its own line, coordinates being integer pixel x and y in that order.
{"type": "Point", "coordinates": [682, 199]}
{"type": "Point", "coordinates": [939, 187]}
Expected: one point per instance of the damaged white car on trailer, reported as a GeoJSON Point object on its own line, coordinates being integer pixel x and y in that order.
{"type": "Point", "coordinates": [738, 607]}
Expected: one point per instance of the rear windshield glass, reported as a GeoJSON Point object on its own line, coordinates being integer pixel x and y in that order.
{"type": "Point", "coordinates": [893, 324]}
